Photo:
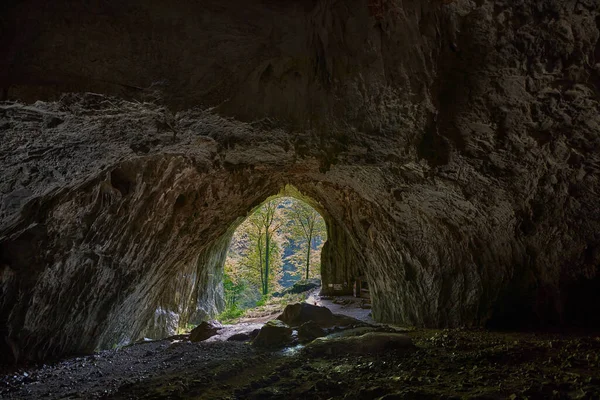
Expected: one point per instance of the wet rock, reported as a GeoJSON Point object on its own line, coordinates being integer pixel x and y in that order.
{"type": "Point", "coordinates": [205, 330]}
{"type": "Point", "coordinates": [309, 331]}
{"type": "Point", "coordinates": [299, 313]}
{"type": "Point", "coordinates": [369, 343]}
{"type": "Point", "coordinates": [273, 334]}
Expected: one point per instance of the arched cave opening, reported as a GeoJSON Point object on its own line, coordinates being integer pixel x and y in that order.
{"type": "Point", "coordinates": [274, 252]}
{"type": "Point", "coordinates": [450, 145]}
{"type": "Point", "coordinates": [133, 238]}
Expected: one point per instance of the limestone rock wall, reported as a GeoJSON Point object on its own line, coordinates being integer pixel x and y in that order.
{"type": "Point", "coordinates": [454, 149]}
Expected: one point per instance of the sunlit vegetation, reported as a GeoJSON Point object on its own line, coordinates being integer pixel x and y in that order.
{"type": "Point", "coordinates": [277, 245]}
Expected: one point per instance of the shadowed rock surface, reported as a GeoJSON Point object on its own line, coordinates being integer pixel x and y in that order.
{"type": "Point", "coordinates": [273, 334]}
{"type": "Point", "coordinates": [309, 331]}
{"type": "Point", "coordinates": [300, 313]}
{"type": "Point", "coordinates": [369, 343]}
{"type": "Point", "coordinates": [205, 330]}
{"type": "Point", "coordinates": [453, 150]}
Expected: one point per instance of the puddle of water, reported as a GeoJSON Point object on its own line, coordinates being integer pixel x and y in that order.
{"type": "Point", "coordinates": [292, 351]}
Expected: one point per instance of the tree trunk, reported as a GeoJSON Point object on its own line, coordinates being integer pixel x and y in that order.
{"type": "Point", "coordinates": [308, 248]}
{"type": "Point", "coordinates": [260, 260]}
{"type": "Point", "coordinates": [267, 249]}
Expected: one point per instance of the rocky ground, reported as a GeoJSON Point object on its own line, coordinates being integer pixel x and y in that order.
{"type": "Point", "coordinates": [443, 364]}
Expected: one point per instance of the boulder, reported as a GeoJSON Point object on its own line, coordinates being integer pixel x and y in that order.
{"type": "Point", "coordinates": [273, 334]}
{"type": "Point", "coordinates": [254, 333]}
{"type": "Point", "coordinates": [369, 343]}
{"type": "Point", "coordinates": [309, 331]}
{"type": "Point", "coordinates": [239, 337]}
{"type": "Point", "coordinates": [205, 330]}
{"type": "Point", "coordinates": [299, 313]}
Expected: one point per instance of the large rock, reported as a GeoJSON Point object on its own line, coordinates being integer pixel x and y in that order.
{"type": "Point", "coordinates": [205, 330]}
{"type": "Point", "coordinates": [299, 313]}
{"type": "Point", "coordinates": [239, 337]}
{"type": "Point", "coordinates": [273, 334]}
{"type": "Point", "coordinates": [369, 343]}
{"type": "Point", "coordinates": [309, 331]}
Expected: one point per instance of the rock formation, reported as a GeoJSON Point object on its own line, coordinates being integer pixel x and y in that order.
{"type": "Point", "coordinates": [453, 149]}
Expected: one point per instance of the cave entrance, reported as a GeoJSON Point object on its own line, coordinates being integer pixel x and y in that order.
{"type": "Point", "coordinates": [274, 256]}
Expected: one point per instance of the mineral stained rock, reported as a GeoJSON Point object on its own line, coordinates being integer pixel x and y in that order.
{"type": "Point", "coordinates": [453, 150]}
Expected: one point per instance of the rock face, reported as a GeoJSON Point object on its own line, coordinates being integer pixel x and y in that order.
{"type": "Point", "coordinates": [453, 150]}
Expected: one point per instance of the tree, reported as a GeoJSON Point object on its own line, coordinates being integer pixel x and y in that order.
{"type": "Point", "coordinates": [308, 225]}
{"type": "Point", "coordinates": [255, 262]}
{"type": "Point", "coordinates": [264, 241]}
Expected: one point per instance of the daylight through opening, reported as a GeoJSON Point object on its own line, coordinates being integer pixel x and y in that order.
{"type": "Point", "coordinates": [274, 257]}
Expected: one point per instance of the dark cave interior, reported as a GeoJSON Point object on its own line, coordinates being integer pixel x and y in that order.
{"type": "Point", "coordinates": [453, 148]}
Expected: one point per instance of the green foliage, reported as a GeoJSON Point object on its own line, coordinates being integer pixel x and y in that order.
{"type": "Point", "coordinates": [265, 298]}
{"type": "Point", "coordinates": [230, 313]}
{"type": "Point", "coordinates": [281, 232]}
{"type": "Point", "coordinates": [233, 289]}
{"type": "Point", "coordinates": [307, 229]}
{"type": "Point", "coordinates": [188, 327]}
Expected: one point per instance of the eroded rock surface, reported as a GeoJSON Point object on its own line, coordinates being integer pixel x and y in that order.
{"type": "Point", "coordinates": [453, 149]}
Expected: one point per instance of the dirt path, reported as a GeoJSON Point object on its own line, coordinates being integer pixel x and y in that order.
{"type": "Point", "coordinates": [345, 305]}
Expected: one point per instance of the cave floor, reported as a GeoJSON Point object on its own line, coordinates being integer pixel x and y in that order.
{"type": "Point", "coordinates": [447, 364]}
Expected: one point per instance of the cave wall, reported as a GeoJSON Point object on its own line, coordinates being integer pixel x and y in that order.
{"type": "Point", "coordinates": [454, 148]}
